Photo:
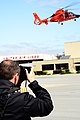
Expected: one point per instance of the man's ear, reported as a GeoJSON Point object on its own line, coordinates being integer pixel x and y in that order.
{"type": "Point", "coordinates": [15, 78]}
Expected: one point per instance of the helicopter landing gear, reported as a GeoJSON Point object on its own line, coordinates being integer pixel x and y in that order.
{"type": "Point", "coordinates": [61, 23]}
{"type": "Point", "coordinates": [58, 22]}
{"type": "Point", "coordinates": [74, 19]}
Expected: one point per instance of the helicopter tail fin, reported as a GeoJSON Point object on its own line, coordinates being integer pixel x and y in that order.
{"type": "Point", "coordinates": [37, 19]}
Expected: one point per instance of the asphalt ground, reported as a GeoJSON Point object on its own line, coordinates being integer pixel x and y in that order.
{"type": "Point", "coordinates": [65, 93]}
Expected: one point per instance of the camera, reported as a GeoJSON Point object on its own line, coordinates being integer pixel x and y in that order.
{"type": "Point", "coordinates": [23, 75]}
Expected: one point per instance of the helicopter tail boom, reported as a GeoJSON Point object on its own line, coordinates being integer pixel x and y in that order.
{"type": "Point", "coordinates": [38, 21]}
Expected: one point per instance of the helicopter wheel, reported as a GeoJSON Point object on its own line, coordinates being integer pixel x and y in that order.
{"type": "Point", "coordinates": [74, 19]}
{"type": "Point", "coordinates": [61, 23]}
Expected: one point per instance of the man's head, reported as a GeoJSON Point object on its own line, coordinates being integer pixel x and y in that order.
{"type": "Point", "coordinates": [9, 70]}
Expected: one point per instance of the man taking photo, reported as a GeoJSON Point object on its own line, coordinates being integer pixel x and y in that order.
{"type": "Point", "coordinates": [21, 106]}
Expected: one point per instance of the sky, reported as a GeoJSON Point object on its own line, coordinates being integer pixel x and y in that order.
{"type": "Point", "coordinates": [19, 34]}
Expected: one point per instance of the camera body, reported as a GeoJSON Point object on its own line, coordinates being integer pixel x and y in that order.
{"type": "Point", "coordinates": [23, 75]}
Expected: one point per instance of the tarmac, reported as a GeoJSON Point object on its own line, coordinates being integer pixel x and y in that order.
{"type": "Point", "coordinates": [65, 94]}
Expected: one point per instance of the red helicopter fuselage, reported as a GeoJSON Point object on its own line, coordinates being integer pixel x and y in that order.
{"type": "Point", "coordinates": [62, 15]}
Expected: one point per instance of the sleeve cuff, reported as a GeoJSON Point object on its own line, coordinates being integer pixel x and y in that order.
{"type": "Point", "coordinates": [33, 85]}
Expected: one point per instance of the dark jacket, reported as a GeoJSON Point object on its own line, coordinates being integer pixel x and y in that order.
{"type": "Point", "coordinates": [23, 106]}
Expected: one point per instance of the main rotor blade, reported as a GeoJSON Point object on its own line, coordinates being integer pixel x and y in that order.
{"type": "Point", "coordinates": [72, 4]}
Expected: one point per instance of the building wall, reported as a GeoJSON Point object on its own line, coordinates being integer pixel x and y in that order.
{"type": "Point", "coordinates": [72, 63]}
{"type": "Point", "coordinates": [72, 49]}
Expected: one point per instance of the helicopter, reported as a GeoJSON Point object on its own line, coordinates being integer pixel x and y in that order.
{"type": "Point", "coordinates": [60, 16]}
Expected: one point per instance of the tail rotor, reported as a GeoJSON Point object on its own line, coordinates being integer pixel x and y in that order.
{"type": "Point", "coordinates": [37, 20]}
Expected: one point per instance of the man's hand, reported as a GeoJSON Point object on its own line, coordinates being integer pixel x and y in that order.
{"type": "Point", "coordinates": [30, 76]}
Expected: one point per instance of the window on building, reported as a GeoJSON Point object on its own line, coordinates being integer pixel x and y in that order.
{"type": "Point", "coordinates": [77, 68]}
{"type": "Point", "coordinates": [62, 66]}
{"type": "Point", "coordinates": [48, 67]}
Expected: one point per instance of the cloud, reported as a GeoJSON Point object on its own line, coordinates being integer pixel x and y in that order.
{"type": "Point", "coordinates": [10, 46]}
{"type": "Point", "coordinates": [21, 48]}
{"type": "Point", "coordinates": [28, 48]}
